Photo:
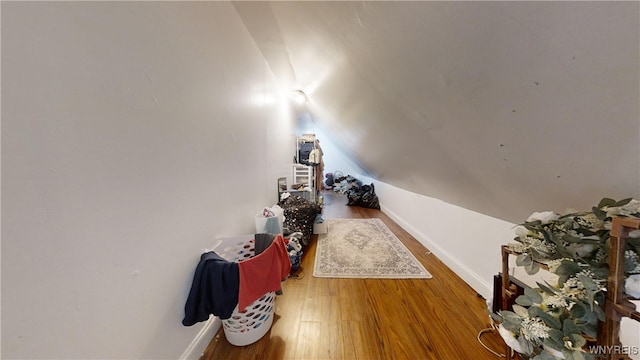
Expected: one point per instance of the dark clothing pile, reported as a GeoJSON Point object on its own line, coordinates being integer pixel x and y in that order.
{"type": "Point", "coordinates": [299, 215]}
{"type": "Point", "coordinates": [363, 196]}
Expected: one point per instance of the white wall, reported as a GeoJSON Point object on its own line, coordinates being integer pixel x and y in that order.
{"type": "Point", "coordinates": [133, 133]}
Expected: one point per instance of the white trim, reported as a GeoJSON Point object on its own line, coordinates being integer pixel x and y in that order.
{"type": "Point", "coordinates": [467, 274]}
{"type": "Point", "coordinates": [199, 344]}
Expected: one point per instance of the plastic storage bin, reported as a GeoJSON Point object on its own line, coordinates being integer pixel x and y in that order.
{"type": "Point", "coordinates": [244, 328]}
{"type": "Point", "coordinates": [272, 224]}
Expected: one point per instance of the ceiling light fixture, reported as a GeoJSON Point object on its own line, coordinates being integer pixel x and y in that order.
{"type": "Point", "coordinates": [299, 97]}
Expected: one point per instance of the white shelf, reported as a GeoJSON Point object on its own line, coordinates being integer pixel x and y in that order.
{"type": "Point", "coordinates": [303, 174]}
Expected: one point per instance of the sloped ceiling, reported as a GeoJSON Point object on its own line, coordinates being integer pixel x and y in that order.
{"type": "Point", "coordinates": [503, 108]}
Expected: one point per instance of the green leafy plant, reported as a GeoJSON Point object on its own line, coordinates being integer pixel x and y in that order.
{"type": "Point", "coordinates": [554, 321]}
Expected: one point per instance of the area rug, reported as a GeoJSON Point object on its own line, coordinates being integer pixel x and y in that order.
{"type": "Point", "coordinates": [364, 248]}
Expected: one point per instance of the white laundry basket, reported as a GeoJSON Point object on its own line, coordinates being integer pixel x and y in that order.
{"type": "Point", "coordinates": [244, 328]}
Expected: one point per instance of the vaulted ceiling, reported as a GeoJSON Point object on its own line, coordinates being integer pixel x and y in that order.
{"type": "Point", "coordinates": [503, 108]}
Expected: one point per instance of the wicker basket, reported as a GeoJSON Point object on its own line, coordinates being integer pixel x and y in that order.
{"type": "Point", "coordinates": [247, 327]}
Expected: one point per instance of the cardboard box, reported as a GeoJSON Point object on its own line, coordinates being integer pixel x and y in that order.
{"type": "Point", "coordinates": [320, 228]}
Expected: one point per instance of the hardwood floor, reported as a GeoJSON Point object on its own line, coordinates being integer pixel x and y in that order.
{"type": "Point", "coordinates": [320, 318]}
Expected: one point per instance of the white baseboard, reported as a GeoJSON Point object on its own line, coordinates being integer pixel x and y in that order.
{"type": "Point", "coordinates": [199, 344]}
{"type": "Point", "coordinates": [480, 285]}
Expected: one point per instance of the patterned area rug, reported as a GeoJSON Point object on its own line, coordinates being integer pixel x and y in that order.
{"type": "Point", "coordinates": [364, 248]}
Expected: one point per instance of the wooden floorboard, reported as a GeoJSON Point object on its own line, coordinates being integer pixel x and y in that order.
{"type": "Point", "coordinates": [368, 319]}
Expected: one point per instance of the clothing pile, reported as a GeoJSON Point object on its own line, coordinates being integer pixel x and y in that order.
{"type": "Point", "coordinates": [357, 193]}
{"type": "Point", "coordinates": [363, 196]}
{"type": "Point", "coordinates": [345, 183]}
{"type": "Point", "coordinates": [299, 215]}
{"type": "Point", "coordinates": [294, 247]}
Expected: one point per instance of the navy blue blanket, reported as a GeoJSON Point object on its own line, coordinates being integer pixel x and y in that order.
{"type": "Point", "coordinates": [214, 290]}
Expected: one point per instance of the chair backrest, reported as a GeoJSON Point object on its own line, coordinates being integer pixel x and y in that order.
{"type": "Point", "coordinates": [282, 186]}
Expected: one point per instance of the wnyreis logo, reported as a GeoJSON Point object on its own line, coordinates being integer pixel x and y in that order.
{"type": "Point", "coordinates": [614, 350]}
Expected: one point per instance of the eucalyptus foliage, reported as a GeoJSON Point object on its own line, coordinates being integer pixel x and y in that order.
{"type": "Point", "coordinates": [555, 320]}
